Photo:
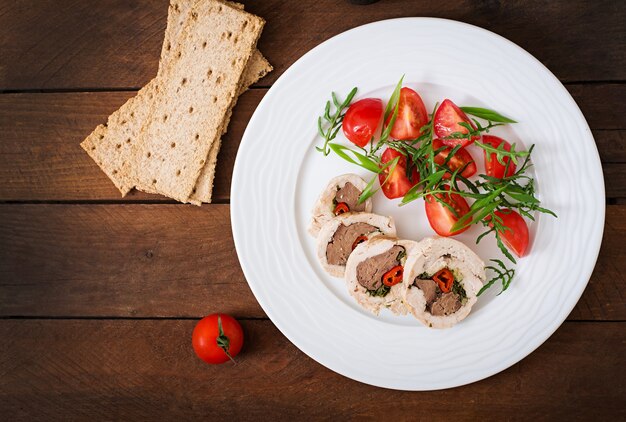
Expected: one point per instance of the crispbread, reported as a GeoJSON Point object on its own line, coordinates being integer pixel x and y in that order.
{"type": "Point", "coordinates": [203, 190]}
{"type": "Point", "coordinates": [110, 145]}
{"type": "Point", "coordinates": [176, 138]}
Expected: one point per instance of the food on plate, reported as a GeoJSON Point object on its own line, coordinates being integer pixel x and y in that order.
{"type": "Point", "coordinates": [515, 236]}
{"type": "Point", "coordinates": [374, 273]}
{"type": "Point", "coordinates": [441, 281]}
{"type": "Point", "coordinates": [447, 122]}
{"type": "Point", "coordinates": [444, 210]}
{"type": "Point", "coordinates": [411, 116]}
{"type": "Point", "coordinates": [340, 196]}
{"type": "Point", "coordinates": [395, 181]}
{"type": "Point", "coordinates": [493, 167]}
{"type": "Point", "coordinates": [361, 120]}
{"type": "Point", "coordinates": [461, 160]}
{"type": "Point", "coordinates": [217, 338]}
{"type": "Point", "coordinates": [340, 236]}
{"type": "Point", "coordinates": [421, 156]}
{"type": "Point", "coordinates": [118, 146]}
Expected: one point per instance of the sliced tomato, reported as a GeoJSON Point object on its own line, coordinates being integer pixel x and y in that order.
{"type": "Point", "coordinates": [493, 167]}
{"type": "Point", "coordinates": [516, 239]}
{"type": "Point", "coordinates": [398, 184]}
{"type": "Point", "coordinates": [362, 119]}
{"type": "Point", "coordinates": [462, 159]}
{"type": "Point", "coordinates": [440, 217]}
{"type": "Point", "coordinates": [447, 119]}
{"type": "Point", "coordinates": [412, 116]}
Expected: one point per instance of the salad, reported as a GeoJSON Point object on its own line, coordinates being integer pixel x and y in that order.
{"type": "Point", "coordinates": [413, 154]}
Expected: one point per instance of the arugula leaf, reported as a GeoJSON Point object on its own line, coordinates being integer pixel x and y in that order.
{"type": "Point", "coordinates": [487, 114]}
{"type": "Point", "coordinates": [361, 160]}
{"type": "Point", "coordinates": [334, 121]}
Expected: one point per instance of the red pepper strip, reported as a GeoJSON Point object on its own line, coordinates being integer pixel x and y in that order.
{"type": "Point", "coordinates": [341, 208]}
{"type": "Point", "coordinates": [358, 240]}
{"type": "Point", "coordinates": [444, 279]}
{"type": "Point", "coordinates": [393, 276]}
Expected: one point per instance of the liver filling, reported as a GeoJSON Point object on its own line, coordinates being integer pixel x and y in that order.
{"type": "Point", "coordinates": [350, 195]}
{"type": "Point", "coordinates": [437, 302]}
{"type": "Point", "coordinates": [369, 273]}
{"type": "Point", "coordinates": [340, 246]}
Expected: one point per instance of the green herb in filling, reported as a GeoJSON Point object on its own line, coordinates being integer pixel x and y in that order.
{"type": "Point", "coordinates": [382, 291]}
{"type": "Point", "coordinates": [401, 255]}
{"type": "Point", "coordinates": [459, 291]}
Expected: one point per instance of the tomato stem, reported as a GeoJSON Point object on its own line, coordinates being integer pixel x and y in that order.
{"type": "Point", "coordinates": [222, 340]}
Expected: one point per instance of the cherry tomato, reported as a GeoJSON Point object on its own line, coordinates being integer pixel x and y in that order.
{"type": "Point", "coordinates": [362, 119]}
{"type": "Point", "coordinates": [217, 338]}
{"type": "Point", "coordinates": [440, 217]}
{"type": "Point", "coordinates": [461, 159]}
{"type": "Point", "coordinates": [447, 119]}
{"type": "Point", "coordinates": [398, 184]}
{"type": "Point", "coordinates": [516, 239]}
{"type": "Point", "coordinates": [493, 167]}
{"type": "Point", "coordinates": [412, 116]}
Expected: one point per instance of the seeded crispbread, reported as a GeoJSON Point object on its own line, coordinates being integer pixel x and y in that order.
{"type": "Point", "coordinates": [175, 140]}
{"type": "Point", "coordinates": [110, 145]}
{"type": "Point", "coordinates": [257, 68]}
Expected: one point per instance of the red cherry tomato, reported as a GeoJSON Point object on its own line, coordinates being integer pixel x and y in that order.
{"type": "Point", "coordinates": [493, 167]}
{"type": "Point", "coordinates": [412, 116]}
{"type": "Point", "coordinates": [462, 159]}
{"type": "Point", "coordinates": [398, 184]}
{"type": "Point", "coordinates": [447, 119]}
{"type": "Point", "coordinates": [517, 238]}
{"type": "Point", "coordinates": [362, 119]}
{"type": "Point", "coordinates": [440, 217]}
{"type": "Point", "coordinates": [213, 345]}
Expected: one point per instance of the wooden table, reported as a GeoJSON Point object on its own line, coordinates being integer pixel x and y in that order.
{"type": "Point", "coordinates": [99, 294]}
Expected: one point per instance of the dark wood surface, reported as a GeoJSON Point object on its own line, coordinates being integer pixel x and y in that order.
{"type": "Point", "coordinates": [99, 294]}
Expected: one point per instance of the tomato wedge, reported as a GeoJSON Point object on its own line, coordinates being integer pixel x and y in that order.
{"type": "Point", "coordinates": [447, 119]}
{"type": "Point", "coordinates": [493, 167]}
{"type": "Point", "coordinates": [398, 184]}
{"type": "Point", "coordinates": [440, 217]}
{"type": "Point", "coordinates": [412, 116]}
{"type": "Point", "coordinates": [462, 159]}
{"type": "Point", "coordinates": [516, 239]}
{"type": "Point", "coordinates": [361, 120]}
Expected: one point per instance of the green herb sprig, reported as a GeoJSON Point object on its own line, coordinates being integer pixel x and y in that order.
{"type": "Point", "coordinates": [333, 122]}
{"type": "Point", "coordinates": [487, 114]}
{"type": "Point", "coordinates": [502, 274]}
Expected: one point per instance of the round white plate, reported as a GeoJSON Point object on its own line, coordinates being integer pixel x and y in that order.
{"type": "Point", "coordinates": [278, 176]}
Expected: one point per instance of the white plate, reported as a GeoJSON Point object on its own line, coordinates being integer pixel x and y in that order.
{"type": "Point", "coordinates": [278, 176]}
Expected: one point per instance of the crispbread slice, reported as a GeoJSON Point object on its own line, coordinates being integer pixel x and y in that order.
{"type": "Point", "coordinates": [110, 145]}
{"type": "Point", "coordinates": [175, 140]}
{"type": "Point", "coordinates": [203, 190]}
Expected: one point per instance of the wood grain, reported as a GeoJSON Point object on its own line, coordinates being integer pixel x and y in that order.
{"type": "Point", "coordinates": [177, 261]}
{"type": "Point", "coordinates": [143, 370]}
{"type": "Point", "coordinates": [69, 44]}
{"type": "Point", "coordinates": [41, 160]}
{"type": "Point", "coordinates": [120, 260]}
